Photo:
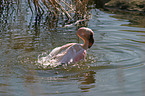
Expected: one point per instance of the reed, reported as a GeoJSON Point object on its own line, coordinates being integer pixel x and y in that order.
{"type": "Point", "coordinates": [64, 7]}
{"type": "Point", "coordinates": [67, 11]}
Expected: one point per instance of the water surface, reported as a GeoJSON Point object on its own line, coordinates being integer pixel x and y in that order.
{"type": "Point", "coordinates": [114, 65]}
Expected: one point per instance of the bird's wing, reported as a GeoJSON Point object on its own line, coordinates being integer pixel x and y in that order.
{"type": "Point", "coordinates": [73, 54]}
{"type": "Point", "coordinates": [58, 50]}
{"type": "Point", "coordinates": [80, 55]}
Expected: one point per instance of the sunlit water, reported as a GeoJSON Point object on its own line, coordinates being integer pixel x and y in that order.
{"type": "Point", "coordinates": [114, 65]}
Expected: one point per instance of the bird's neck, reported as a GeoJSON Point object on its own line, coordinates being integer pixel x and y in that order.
{"type": "Point", "coordinates": [86, 44]}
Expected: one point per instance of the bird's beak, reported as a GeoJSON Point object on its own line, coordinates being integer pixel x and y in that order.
{"type": "Point", "coordinates": [91, 41]}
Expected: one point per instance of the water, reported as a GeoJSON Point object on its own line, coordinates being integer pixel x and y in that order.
{"type": "Point", "coordinates": [114, 66]}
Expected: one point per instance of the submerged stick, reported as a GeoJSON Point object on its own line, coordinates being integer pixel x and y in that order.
{"type": "Point", "coordinates": [75, 22]}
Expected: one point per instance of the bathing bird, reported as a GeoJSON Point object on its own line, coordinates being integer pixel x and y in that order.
{"type": "Point", "coordinates": [73, 52]}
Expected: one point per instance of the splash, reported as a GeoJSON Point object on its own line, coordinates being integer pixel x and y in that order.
{"type": "Point", "coordinates": [45, 61]}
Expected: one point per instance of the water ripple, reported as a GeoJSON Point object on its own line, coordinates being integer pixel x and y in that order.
{"type": "Point", "coordinates": [122, 49]}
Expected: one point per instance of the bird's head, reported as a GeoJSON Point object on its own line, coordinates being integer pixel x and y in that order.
{"type": "Point", "coordinates": [87, 35]}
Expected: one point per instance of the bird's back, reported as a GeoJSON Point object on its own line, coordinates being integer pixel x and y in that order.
{"type": "Point", "coordinates": [68, 53]}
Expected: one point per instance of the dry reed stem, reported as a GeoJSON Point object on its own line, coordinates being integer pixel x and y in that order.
{"type": "Point", "coordinates": [68, 6]}
{"type": "Point", "coordinates": [53, 4]}
{"type": "Point", "coordinates": [30, 6]}
{"type": "Point", "coordinates": [51, 8]}
{"type": "Point", "coordinates": [63, 10]}
{"type": "Point", "coordinates": [56, 7]}
{"type": "Point", "coordinates": [81, 7]}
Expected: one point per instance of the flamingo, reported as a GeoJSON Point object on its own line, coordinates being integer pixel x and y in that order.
{"type": "Point", "coordinates": [72, 52]}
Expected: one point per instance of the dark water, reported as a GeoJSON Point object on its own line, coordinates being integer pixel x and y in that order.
{"type": "Point", "coordinates": [114, 66]}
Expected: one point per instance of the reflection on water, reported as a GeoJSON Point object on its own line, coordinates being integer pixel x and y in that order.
{"type": "Point", "coordinates": [114, 65]}
{"type": "Point", "coordinates": [87, 81]}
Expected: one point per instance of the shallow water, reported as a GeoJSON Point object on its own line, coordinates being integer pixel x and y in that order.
{"type": "Point", "coordinates": [114, 65]}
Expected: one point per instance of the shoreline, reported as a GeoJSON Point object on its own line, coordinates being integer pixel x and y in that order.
{"type": "Point", "coordinates": [128, 6]}
{"type": "Point", "coordinates": [127, 9]}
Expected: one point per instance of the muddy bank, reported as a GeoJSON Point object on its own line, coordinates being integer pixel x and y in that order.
{"type": "Point", "coordinates": [127, 5]}
{"type": "Point", "coordinates": [132, 10]}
